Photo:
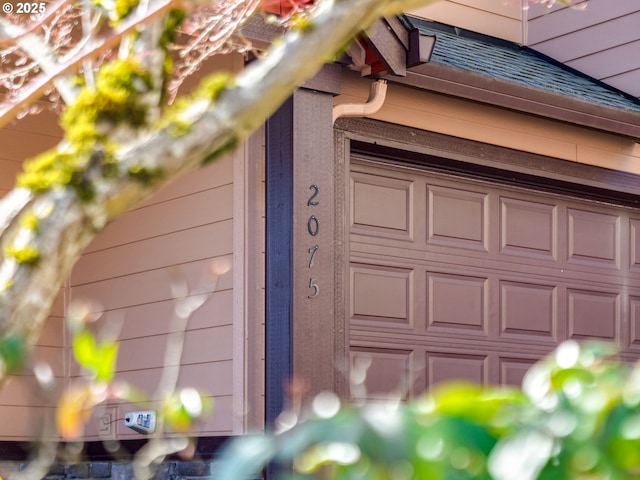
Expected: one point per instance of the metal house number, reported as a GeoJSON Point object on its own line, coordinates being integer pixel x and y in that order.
{"type": "Point", "coordinates": [313, 227]}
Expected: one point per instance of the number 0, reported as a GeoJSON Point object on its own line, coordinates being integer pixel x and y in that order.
{"type": "Point", "coordinates": [313, 225]}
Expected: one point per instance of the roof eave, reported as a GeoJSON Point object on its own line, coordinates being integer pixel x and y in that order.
{"type": "Point", "coordinates": [497, 92]}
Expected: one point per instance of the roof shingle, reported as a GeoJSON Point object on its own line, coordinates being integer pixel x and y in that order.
{"type": "Point", "coordinates": [522, 65]}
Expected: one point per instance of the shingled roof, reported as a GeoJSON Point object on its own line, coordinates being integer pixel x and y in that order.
{"type": "Point", "coordinates": [519, 64]}
{"type": "Point", "coordinates": [503, 73]}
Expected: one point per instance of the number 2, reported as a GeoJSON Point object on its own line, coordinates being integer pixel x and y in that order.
{"type": "Point", "coordinates": [311, 202]}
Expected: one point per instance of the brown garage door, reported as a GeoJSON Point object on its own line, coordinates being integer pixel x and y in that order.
{"type": "Point", "coordinates": [462, 278]}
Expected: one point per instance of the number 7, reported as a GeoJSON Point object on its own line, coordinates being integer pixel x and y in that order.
{"type": "Point", "coordinates": [313, 250]}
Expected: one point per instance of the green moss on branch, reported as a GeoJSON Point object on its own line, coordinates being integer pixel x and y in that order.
{"type": "Point", "coordinates": [28, 254]}
{"type": "Point", "coordinates": [145, 175]}
{"type": "Point", "coordinates": [30, 221]}
{"type": "Point", "coordinates": [173, 118]}
{"type": "Point", "coordinates": [114, 101]}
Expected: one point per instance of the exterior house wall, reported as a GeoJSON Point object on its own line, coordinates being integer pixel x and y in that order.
{"type": "Point", "coordinates": [596, 37]}
{"type": "Point", "coordinates": [19, 399]}
{"type": "Point", "coordinates": [185, 230]}
{"type": "Point", "coordinates": [599, 40]}
{"type": "Point", "coordinates": [498, 19]}
{"type": "Point", "coordinates": [205, 229]}
{"type": "Point", "coordinates": [22, 139]}
{"type": "Point", "coordinates": [216, 216]}
{"type": "Point", "coordinates": [484, 123]}
{"type": "Point", "coordinates": [403, 203]}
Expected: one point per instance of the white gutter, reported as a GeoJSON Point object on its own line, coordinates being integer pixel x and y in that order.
{"type": "Point", "coordinates": [377, 95]}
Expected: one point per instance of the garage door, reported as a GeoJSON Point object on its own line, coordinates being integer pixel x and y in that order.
{"type": "Point", "coordinates": [458, 278]}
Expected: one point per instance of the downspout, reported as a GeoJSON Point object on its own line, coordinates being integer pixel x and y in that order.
{"type": "Point", "coordinates": [377, 95]}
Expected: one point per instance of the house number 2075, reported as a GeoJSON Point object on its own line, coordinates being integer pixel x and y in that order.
{"type": "Point", "coordinates": [313, 227]}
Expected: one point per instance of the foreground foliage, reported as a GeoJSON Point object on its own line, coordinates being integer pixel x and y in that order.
{"type": "Point", "coordinates": [577, 416]}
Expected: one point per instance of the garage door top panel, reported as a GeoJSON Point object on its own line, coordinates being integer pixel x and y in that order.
{"type": "Point", "coordinates": [439, 219]}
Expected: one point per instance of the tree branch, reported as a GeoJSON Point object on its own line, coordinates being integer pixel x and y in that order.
{"type": "Point", "coordinates": [65, 225]}
{"type": "Point", "coordinates": [40, 52]}
{"type": "Point", "coordinates": [90, 50]}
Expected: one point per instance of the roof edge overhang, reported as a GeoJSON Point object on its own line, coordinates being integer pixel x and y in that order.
{"type": "Point", "coordinates": [389, 40]}
{"type": "Point", "coordinates": [480, 88]}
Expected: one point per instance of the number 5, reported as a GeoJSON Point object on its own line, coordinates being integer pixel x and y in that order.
{"type": "Point", "coordinates": [314, 285]}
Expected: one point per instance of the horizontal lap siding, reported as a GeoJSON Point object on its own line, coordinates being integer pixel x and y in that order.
{"type": "Point", "coordinates": [600, 40]}
{"type": "Point", "coordinates": [186, 227]}
{"type": "Point", "coordinates": [184, 232]}
{"type": "Point", "coordinates": [20, 399]}
{"type": "Point", "coordinates": [491, 17]}
{"type": "Point", "coordinates": [495, 126]}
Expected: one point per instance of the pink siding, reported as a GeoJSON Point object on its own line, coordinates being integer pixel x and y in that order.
{"type": "Point", "coordinates": [600, 40]}
{"type": "Point", "coordinates": [545, 24]}
{"type": "Point", "coordinates": [21, 140]}
{"type": "Point", "coordinates": [496, 18]}
{"type": "Point", "coordinates": [20, 400]}
{"type": "Point", "coordinates": [184, 228]}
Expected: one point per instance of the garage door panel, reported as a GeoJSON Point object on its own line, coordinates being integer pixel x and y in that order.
{"type": "Point", "coordinates": [382, 206]}
{"type": "Point", "coordinates": [492, 278]}
{"type": "Point", "coordinates": [444, 258]}
{"type": "Point", "coordinates": [593, 238]}
{"type": "Point", "coordinates": [443, 367]}
{"type": "Point", "coordinates": [457, 302]}
{"type": "Point", "coordinates": [593, 314]}
{"type": "Point", "coordinates": [378, 373]}
{"type": "Point", "coordinates": [381, 294]}
{"type": "Point", "coordinates": [634, 240]}
{"type": "Point", "coordinates": [457, 218]}
{"type": "Point", "coordinates": [513, 370]}
{"type": "Point", "coordinates": [528, 229]}
{"type": "Point", "coordinates": [529, 311]}
{"type": "Point", "coordinates": [634, 323]}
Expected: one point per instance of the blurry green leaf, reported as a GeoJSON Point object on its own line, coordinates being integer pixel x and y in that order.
{"type": "Point", "coordinates": [182, 408]}
{"type": "Point", "coordinates": [84, 348]}
{"type": "Point", "coordinates": [493, 407]}
{"type": "Point", "coordinates": [13, 352]}
{"type": "Point", "coordinates": [560, 378]}
{"type": "Point", "coordinates": [521, 456]}
{"type": "Point", "coordinates": [98, 358]}
{"type": "Point", "coordinates": [245, 457]}
{"type": "Point", "coordinates": [622, 432]}
{"type": "Point", "coordinates": [105, 361]}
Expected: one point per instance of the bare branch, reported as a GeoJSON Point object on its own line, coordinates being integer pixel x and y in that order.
{"type": "Point", "coordinates": [92, 49]}
{"type": "Point", "coordinates": [40, 52]}
{"type": "Point", "coordinates": [52, 9]}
